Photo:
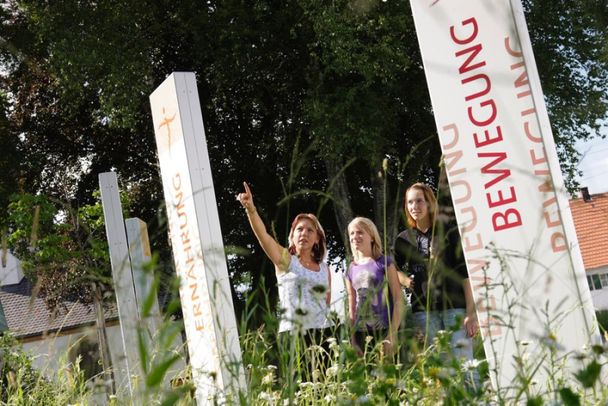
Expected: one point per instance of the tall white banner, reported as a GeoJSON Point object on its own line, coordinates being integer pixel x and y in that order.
{"type": "Point", "coordinates": [196, 239]}
{"type": "Point", "coordinates": [517, 232]}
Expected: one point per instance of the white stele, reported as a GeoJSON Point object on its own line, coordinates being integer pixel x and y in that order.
{"type": "Point", "coordinates": [196, 239]}
{"type": "Point", "coordinates": [122, 276]}
{"type": "Point", "coordinates": [518, 237]}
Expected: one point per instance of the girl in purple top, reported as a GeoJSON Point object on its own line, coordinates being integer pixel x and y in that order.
{"type": "Point", "coordinates": [371, 310]}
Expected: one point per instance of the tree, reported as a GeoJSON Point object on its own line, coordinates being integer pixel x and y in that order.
{"type": "Point", "coordinates": [305, 99]}
{"type": "Point", "coordinates": [63, 250]}
{"type": "Point", "coordinates": [570, 47]}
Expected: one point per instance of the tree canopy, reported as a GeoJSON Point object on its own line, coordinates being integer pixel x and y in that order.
{"type": "Point", "coordinates": [304, 99]}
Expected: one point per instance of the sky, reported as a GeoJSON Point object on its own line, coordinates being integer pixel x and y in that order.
{"type": "Point", "coordinates": [594, 165]}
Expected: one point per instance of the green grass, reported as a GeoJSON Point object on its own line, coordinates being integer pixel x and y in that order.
{"type": "Point", "coordinates": [416, 375]}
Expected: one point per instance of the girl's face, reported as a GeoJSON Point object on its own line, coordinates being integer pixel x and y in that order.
{"type": "Point", "coordinates": [417, 205]}
{"type": "Point", "coordinates": [304, 235]}
{"type": "Point", "coordinates": [360, 239]}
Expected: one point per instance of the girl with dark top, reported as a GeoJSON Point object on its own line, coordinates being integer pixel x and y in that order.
{"type": "Point", "coordinates": [373, 310]}
{"type": "Point", "coordinates": [429, 257]}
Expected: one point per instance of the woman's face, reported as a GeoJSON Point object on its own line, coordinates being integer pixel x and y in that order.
{"type": "Point", "coordinates": [417, 205]}
{"type": "Point", "coordinates": [304, 235]}
{"type": "Point", "coordinates": [360, 239]}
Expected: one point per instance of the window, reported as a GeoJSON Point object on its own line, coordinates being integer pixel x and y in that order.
{"type": "Point", "coordinates": [597, 281]}
{"type": "Point", "coordinates": [604, 279]}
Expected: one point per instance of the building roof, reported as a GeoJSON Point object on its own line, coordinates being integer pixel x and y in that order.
{"type": "Point", "coordinates": [28, 316]}
{"type": "Point", "coordinates": [591, 223]}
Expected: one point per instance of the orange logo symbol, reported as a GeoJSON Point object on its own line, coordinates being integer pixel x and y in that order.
{"type": "Point", "coordinates": [167, 122]}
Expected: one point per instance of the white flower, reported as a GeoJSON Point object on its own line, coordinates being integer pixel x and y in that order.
{"type": "Point", "coordinates": [332, 371]}
{"type": "Point", "coordinates": [329, 398]}
{"type": "Point", "coordinates": [315, 349]}
{"type": "Point", "coordinates": [471, 364]}
{"type": "Point", "coordinates": [268, 379]}
{"type": "Point", "coordinates": [267, 397]}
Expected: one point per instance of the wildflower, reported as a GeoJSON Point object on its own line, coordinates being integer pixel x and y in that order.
{"type": "Point", "coordinates": [333, 346]}
{"type": "Point", "coordinates": [316, 348]}
{"type": "Point", "coordinates": [332, 371]}
{"type": "Point", "coordinates": [368, 339]}
{"type": "Point", "coordinates": [329, 398]}
{"type": "Point", "coordinates": [268, 397]}
{"type": "Point", "coordinates": [316, 375]}
{"type": "Point", "coordinates": [471, 364]}
{"type": "Point", "coordinates": [270, 366]}
{"type": "Point", "coordinates": [331, 340]}
{"type": "Point", "coordinates": [268, 379]}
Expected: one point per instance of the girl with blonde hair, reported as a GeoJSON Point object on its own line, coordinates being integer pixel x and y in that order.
{"type": "Point", "coordinates": [373, 310]}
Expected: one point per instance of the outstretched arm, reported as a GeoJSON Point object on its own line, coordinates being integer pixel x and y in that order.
{"type": "Point", "coordinates": [271, 247]}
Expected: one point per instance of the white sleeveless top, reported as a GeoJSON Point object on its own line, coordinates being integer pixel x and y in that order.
{"type": "Point", "coordinates": [302, 297]}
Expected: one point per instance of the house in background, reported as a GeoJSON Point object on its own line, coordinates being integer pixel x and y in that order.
{"type": "Point", "coordinates": [53, 340]}
{"type": "Point", "coordinates": [590, 214]}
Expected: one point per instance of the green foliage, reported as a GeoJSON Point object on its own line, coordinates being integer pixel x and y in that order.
{"type": "Point", "coordinates": [569, 397]}
{"type": "Point", "coordinates": [306, 95]}
{"type": "Point", "coordinates": [63, 250]}
{"type": "Point", "coordinates": [569, 40]}
{"type": "Point", "coordinates": [590, 374]}
{"type": "Point", "coordinates": [602, 319]}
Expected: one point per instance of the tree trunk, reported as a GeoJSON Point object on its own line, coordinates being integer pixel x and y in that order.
{"type": "Point", "coordinates": [338, 189]}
